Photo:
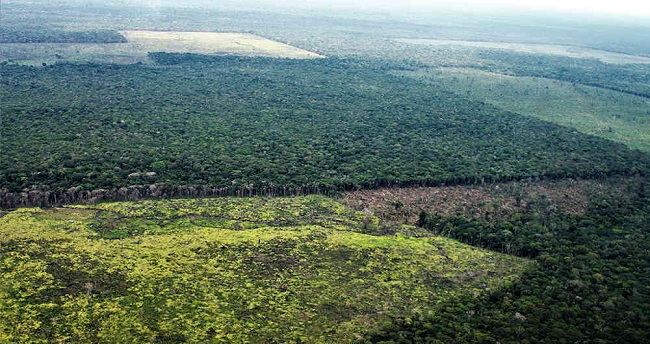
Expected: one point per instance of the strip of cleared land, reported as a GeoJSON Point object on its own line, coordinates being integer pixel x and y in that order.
{"type": "Point", "coordinates": [140, 43]}
{"type": "Point", "coordinates": [546, 49]}
{"type": "Point", "coordinates": [496, 202]}
{"type": "Point", "coordinates": [213, 43]}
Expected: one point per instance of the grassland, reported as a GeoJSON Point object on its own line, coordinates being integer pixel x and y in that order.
{"type": "Point", "coordinates": [596, 111]}
{"type": "Point", "coordinates": [225, 270]}
{"type": "Point", "coordinates": [140, 43]}
{"type": "Point", "coordinates": [543, 49]}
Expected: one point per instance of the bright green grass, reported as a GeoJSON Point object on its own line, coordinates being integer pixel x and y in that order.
{"type": "Point", "coordinates": [302, 271]}
{"type": "Point", "coordinates": [609, 114]}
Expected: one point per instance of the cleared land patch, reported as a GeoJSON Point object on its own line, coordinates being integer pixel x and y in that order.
{"type": "Point", "coordinates": [494, 202]}
{"type": "Point", "coordinates": [596, 111]}
{"type": "Point", "coordinates": [547, 49]}
{"type": "Point", "coordinates": [140, 43]}
{"type": "Point", "coordinates": [182, 269]}
{"type": "Point", "coordinates": [213, 43]}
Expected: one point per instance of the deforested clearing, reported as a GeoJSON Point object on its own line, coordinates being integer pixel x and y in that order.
{"type": "Point", "coordinates": [545, 49]}
{"type": "Point", "coordinates": [227, 270]}
{"type": "Point", "coordinates": [213, 42]}
{"type": "Point", "coordinates": [140, 43]}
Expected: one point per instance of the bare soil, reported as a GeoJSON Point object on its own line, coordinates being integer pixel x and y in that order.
{"type": "Point", "coordinates": [489, 202]}
{"type": "Point", "coordinates": [213, 43]}
{"type": "Point", "coordinates": [140, 43]}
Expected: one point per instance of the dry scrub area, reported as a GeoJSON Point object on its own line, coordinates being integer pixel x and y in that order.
{"type": "Point", "coordinates": [547, 49]}
{"type": "Point", "coordinates": [489, 202]}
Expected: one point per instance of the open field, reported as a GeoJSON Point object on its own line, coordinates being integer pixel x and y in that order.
{"type": "Point", "coordinates": [234, 270]}
{"type": "Point", "coordinates": [546, 49]}
{"type": "Point", "coordinates": [596, 111]}
{"type": "Point", "coordinates": [140, 43]}
{"type": "Point", "coordinates": [213, 43]}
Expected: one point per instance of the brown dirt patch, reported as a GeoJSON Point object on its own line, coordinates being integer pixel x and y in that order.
{"type": "Point", "coordinates": [488, 202]}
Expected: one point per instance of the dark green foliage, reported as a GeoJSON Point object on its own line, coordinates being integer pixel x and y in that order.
{"type": "Point", "coordinates": [59, 36]}
{"type": "Point", "coordinates": [262, 125]}
{"type": "Point", "coordinates": [628, 78]}
{"type": "Point", "coordinates": [591, 283]}
{"type": "Point", "coordinates": [197, 126]}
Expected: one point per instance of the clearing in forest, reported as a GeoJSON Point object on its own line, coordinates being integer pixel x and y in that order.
{"type": "Point", "coordinates": [492, 202]}
{"type": "Point", "coordinates": [302, 269]}
{"type": "Point", "coordinates": [213, 43]}
{"type": "Point", "coordinates": [545, 49]}
{"type": "Point", "coordinates": [591, 110]}
{"type": "Point", "coordinates": [140, 43]}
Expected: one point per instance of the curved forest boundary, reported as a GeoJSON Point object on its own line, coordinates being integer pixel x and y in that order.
{"type": "Point", "coordinates": [590, 242]}
{"type": "Point", "coordinates": [631, 78]}
{"type": "Point", "coordinates": [591, 110]}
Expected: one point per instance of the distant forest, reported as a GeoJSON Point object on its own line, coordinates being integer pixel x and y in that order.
{"type": "Point", "coordinates": [34, 35]}
{"type": "Point", "coordinates": [377, 115]}
{"type": "Point", "coordinates": [198, 125]}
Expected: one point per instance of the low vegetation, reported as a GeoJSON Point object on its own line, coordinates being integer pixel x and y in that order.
{"type": "Point", "coordinates": [226, 270]}
{"type": "Point", "coordinates": [225, 43]}
{"type": "Point", "coordinates": [128, 47]}
{"type": "Point", "coordinates": [629, 78]}
{"type": "Point", "coordinates": [540, 49]}
{"type": "Point", "coordinates": [591, 110]}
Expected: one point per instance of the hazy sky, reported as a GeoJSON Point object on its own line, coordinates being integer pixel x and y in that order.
{"type": "Point", "coordinates": [629, 7]}
{"type": "Point", "coordinates": [634, 7]}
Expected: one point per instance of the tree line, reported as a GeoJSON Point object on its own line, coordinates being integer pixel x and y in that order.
{"type": "Point", "coordinates": [266, 126]}
{"type": "Point", "coordinates": [35, 35]}
{"type": "Point", "coordinates": [590, 282]}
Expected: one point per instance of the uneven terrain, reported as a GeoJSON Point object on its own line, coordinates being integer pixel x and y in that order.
{"type": "Point", "coordinates": [301, 269]}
